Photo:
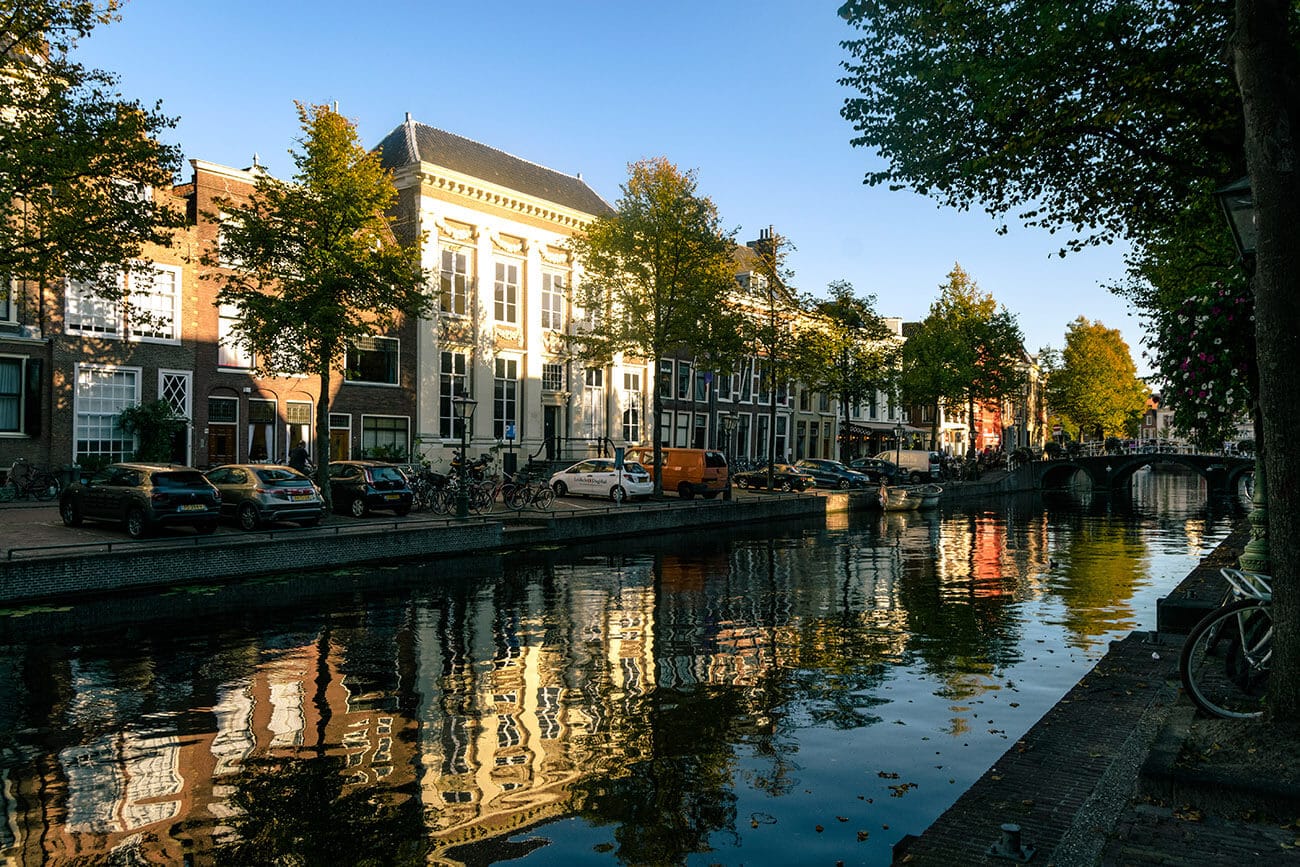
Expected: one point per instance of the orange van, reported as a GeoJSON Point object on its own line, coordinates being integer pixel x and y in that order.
{"type": "Point", "coordinates": [686, 471]}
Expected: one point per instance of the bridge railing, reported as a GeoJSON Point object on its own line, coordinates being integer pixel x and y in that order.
{"type": "Point", "coordinates": [1094, 448]}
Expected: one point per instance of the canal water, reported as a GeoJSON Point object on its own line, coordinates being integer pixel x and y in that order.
{"type": "Point", "coordinates": [776, 694]}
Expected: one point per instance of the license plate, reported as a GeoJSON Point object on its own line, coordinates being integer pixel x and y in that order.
{"type": "Point", "coordinates": [392, 496]}
{"type": "Point", "coordinates": [300, 498]}
{"type": "Point", "coordinates": [193, 507]}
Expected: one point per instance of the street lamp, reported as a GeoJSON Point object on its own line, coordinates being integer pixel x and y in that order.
{"type": "Point", "coordinates": [726, 421]}
{"type": "Point", "coordinates": [462, 408]}
{"type": "Point", "coordinates": [1238, 203]}
{"type": "Point", "coordinates": [898, 446]}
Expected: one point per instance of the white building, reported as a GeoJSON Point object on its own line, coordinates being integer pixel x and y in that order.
{"type": "Point", "coordinates": [495, 232]}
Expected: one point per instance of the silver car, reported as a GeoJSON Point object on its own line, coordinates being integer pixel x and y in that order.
{"type": "Point", "coordinates": [256, 494]}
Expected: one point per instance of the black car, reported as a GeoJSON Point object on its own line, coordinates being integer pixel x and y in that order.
{"type": "Point", "coordinates": [878, 470]}
{"type": "Point", "coordinates": [784, 478]}
{"type": "Point", "coordinates": [357, 487]}
{"type": "Point", "coordinates": [143, 497]}
{"type": "Point", "coordinates": [833, 474]}
{"type": "Point", "coordinates": [255, 494]}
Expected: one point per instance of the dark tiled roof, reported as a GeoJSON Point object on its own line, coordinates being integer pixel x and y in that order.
{"type": "Point", "coordinates": [413, 142]}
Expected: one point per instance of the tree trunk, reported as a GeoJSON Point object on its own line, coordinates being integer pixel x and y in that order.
{"type": "Point", "coordinates": [323, 433]}
{"type": "Point", "coordinates": [656, 472]}
{"type": "Point", "coordinates": [844, 428]}
{"type": "Point", "coordinates": [1267, 75]}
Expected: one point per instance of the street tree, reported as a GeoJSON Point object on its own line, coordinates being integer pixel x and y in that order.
{"type": "Point", "coordinates": [968, 350]}
{"type": "Point", "coordinates": [653, 271]}
{"type": "Point", "coordinates": [312, 264]}
{"type": "Point", "coordinates": [776, 319]}
{"type": "Point", "coordinates": [1096, 389]}
{"type": "Point", "coordinates": [851, 352]}
{"type": "Point", "coordinates": [78, 161]}
{"type": "Point", "coordinates": [1265, 64]}
{"type": "Point", "coordinates": [1107, 120]}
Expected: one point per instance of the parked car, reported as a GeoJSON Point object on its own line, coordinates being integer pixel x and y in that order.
{"type": "Point", "coordinates": [256, 494]}
{"type": "Point", "coordinates": [357, 487]}
{"type": "Point", "coordinates": [878, 469]}
{"type": "Point", "coordinates": [686, 471]}
{"type": "Point", "coordinates": [143, 497]}
{"type": "Point", "coordinates": [784, 478]}
{"type": "Point", "coordinates": [597, 477]}
{"type": "Point", "coordinates": [833, 474]}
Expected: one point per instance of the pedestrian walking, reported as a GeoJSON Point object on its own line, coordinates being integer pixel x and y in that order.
{"type": "Point", "coordinates": [299, 457]}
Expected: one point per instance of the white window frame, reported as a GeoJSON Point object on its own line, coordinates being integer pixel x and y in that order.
{"type": "Point", "coordinates": [451, 383]}
{"type": "Point", "coordinates": [9, 302]}
{"type": "Point", "coordinates": [455, 284]}
{"type": "Point", "coordinates": [90, 315]}
{"type": "Point", "coordinates": [365, 447]}
{"type": "Point", "coordinates": [20, 396]}
{"type": "Point", "coordinates": [553, 284]}
{"type": "Point", "coordinates": [231, 355]}
{"type": "Point", "coordinates": [632, 407]}
{"type": "Point", "coordinates": [172, 334]}
{"type": "Point", "coordinates": [81, 408]}
{"type": "Point", "coordinates": [505, 291]}
{"type": "Point", "coordinates": [500, 418]}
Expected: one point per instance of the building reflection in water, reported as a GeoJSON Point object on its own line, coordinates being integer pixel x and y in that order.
{"type": "Point", "coordinates": [438, 713]}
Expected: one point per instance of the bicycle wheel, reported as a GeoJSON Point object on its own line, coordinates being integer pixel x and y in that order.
{"type": "Point", "coordinates": [518, 497]}
{"type": "Point", "coordinates": [44, 486]}
{"type": "Point", "coordinates": [443, 501]}
{"type": "Point", "coordinates": [1225, 660]}
{"type": "Point", "coordinates": [545, 498]}
{"type": "Point", "coordinates": [480, 498]}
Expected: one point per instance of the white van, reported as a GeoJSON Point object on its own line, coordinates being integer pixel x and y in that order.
{"type": "Point", "coordinates": [918, 465]}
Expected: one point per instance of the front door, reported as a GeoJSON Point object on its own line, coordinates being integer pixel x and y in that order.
{"type": "Point", "coordinates": [340, 444]}
{"type": "Point", "coordinates": [550, 430]}
{"type": "Point", "coordinates": [221, 444]}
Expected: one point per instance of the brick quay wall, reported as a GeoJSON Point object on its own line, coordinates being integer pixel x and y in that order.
{"type": "Point", "coordinates": [60, 572]}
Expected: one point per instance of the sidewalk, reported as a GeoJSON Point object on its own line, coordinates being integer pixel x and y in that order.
{"type": "Point", "coordinates": [1110, 776]}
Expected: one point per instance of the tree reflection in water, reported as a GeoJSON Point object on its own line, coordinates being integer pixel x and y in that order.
{"type": "Point", "coordinates": [638, 702]}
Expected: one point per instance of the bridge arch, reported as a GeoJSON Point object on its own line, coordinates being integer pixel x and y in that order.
{"type": "Point", "coordinates": [1222, 473]}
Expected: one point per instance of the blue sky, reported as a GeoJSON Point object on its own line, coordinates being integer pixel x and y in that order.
{"type": "Point", "coordinates": [744, 93]}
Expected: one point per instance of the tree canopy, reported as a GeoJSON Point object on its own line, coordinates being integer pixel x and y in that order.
{"type": "Point", "coordinates": [851, 353]}
{"type": "Point", "coordinates": [1096, 389]}
{"type": "Point", "coordinates": [79, 163]}
{"type": "Point", "coordinates": [312, 264]}
{"type": "Point", "coordinates": [1098, 119]}
{"type": "Point", "coordinates": [968, 350]}
{"type": "Point", "coordinates": [654, 270]}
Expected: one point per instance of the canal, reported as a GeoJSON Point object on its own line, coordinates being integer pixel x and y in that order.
{"type": "Point", "coordinates": [778, 694]}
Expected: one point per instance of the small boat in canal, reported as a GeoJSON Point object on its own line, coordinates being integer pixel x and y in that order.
{"type": "Point", "coordinates": [899, 498]}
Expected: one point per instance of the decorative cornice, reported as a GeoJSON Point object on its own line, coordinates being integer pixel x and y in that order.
{"type": "Point", "coordinates": [511, 200]}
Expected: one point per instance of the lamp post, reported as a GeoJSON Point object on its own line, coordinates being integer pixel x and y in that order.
{"type": "Point", "coordinates": [898, 447]}
{"type": "Point", "coordinates": [462, 408]}
{"type": "Point", "coordinates": [725, 422]}
{"type": "Point", "coordinates": [1238, 203]}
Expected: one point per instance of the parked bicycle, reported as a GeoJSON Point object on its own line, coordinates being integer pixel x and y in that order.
{"type": "Point", "coordinates": [27, 480]}
{"type": "Point", "coordinates": [425, 483]}
{"type": "Point", "coordinates": [1225, 661]}
{"type": "Point", "coordinates": [535, 493]}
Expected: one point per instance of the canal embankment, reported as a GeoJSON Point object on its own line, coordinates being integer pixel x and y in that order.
{"type": "Point", "coordinates": [1103, 777]}
{"type": "Point", "coordinates": [38, 566]}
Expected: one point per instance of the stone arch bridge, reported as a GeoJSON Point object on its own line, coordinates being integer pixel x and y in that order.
{"type": "Point", "coordinates": [1222, 473]}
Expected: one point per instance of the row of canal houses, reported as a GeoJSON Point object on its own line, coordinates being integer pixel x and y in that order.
{"type": "Point", "coordinates": [496, 229]}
